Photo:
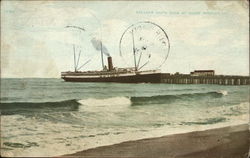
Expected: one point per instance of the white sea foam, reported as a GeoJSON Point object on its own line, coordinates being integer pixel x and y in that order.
{"type": "Point", "coordinates": [56, 138]}
{"type": "Point", "coordinates": [224, 92]}
{"type": "Point", "coordinates": [62, 138]}
{"type": "Point", "coordinates": [110, 104]}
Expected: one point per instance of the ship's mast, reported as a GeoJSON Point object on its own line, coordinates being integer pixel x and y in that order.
{"type": "Point", "coordinates": [74, 57]}
{"type": "Point", "coordinates": [102, 56]}
{"type": "Point", "coordinates": [139, 60]}
{"type": "Point", "coordinates": [84, 64]}
{"type": "Point", "coordinates": [134, 49]}
{"type": "Point", "coordinates": [79, 55]}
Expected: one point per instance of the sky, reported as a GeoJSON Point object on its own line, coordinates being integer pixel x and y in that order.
{"type": "Point", "coordinates": [35, 41]}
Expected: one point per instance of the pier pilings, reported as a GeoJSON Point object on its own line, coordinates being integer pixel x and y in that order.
{"type": "Point", "coordinates": [216, 79]}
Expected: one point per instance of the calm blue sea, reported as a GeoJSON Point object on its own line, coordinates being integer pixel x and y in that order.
{"type": "Point", "coordinates": [49, 117]}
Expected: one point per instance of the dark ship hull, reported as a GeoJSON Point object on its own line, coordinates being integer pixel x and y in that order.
{"type": "Point", "coordinates": [136, 78]}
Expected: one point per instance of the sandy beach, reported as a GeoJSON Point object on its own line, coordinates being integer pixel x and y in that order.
{"type": "Point", "coordinates": [227, 142]}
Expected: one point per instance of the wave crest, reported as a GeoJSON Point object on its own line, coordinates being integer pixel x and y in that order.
{"type": "Point", "coordinates": [163, 99]}
{"type": "Point", "coordinates": [106, 101]}
{"type": "Point", "coordinates": [111, 103]}
{"type": "Point", "coordinates": [25, 107]}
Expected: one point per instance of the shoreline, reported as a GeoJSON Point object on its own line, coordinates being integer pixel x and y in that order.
{"type": "Point", "coordinates": [226, 142]}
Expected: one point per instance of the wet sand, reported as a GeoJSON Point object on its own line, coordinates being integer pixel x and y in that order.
{"type": "Point", "coordinates": [227, 142]}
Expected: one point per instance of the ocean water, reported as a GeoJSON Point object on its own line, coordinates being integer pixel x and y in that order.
{"type": "Point", "coordinates": [50, 117]}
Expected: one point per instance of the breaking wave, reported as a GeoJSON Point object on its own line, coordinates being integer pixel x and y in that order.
{"type": "Point", "coordinates": [161, 99]}
{"type": "Point", "coordinates": [106, 104]}
{"type": "Point", "coordinates": [110, 103]}
{"type": "Point", "coordinates": [106, 101]}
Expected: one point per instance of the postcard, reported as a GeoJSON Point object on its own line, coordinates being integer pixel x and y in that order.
{"type": "Point", "coordinates": [125, 79]}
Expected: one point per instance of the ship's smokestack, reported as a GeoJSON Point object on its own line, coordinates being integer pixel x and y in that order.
{"type": "Point", "coordinates": [110, 64]}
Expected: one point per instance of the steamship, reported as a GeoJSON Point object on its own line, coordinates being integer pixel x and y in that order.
{"type": "Point", "coordinates": [111, 74]}
{"type": "Point", "coordinates": [122, 75]}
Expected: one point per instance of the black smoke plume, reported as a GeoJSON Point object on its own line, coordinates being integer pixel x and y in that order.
{"type": "Point", "coordinates": [98, 45]}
